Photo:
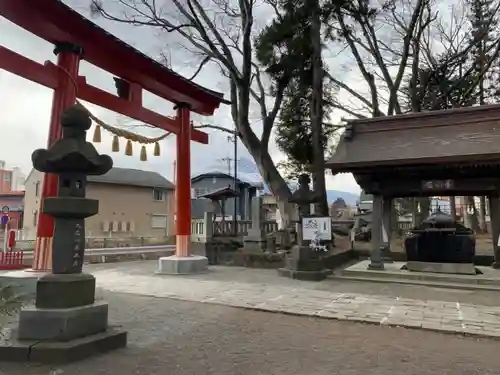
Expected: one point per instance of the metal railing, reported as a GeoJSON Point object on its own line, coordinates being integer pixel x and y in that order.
{"type": "Point", "coordinates": [118, 250]}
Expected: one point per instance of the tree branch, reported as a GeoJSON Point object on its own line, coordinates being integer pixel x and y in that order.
{"type": "Point", "coordinates": [353, 93]}
{"type": "Point", "coordinates": [366, 75]}
{"type": "Point", "coordinates": [216, 127]}
{"type": "Point", "coordinates": [347, 110]}
{"type": "Point", "coordinates": [393, 100]}
{"type": "Point", "coordinates": [200, 67]}
{"type": "Point", "coordinates": [271, 116]}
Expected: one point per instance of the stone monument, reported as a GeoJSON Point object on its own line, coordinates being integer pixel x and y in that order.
{"type": "Point", "coordinates": [255, 240]}
{"type": "Point", "coordinates": [304, 263]}
{"type": "Point", "coordinates": [66, 323]}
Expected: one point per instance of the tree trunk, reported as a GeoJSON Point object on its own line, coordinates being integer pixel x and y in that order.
{"type": "Point", "coordinates": [274, 181]}
{"type": "Point", "coordinates": [316, 109]}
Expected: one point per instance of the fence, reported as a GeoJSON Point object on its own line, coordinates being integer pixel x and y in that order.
{"type": "Point", "coordinates": [107, 242]}
{"type": "Point", "coordinates": [202, 230]}
{"type": "Point", "coordinates": [11, 260]}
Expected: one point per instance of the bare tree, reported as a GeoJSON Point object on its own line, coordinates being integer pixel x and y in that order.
{"type": "Point", "coordinates": [399, 49]}
{"type": "Point", "coordinates": [394, 45]}
{"type": "Point", "coordinates": [220, 32]}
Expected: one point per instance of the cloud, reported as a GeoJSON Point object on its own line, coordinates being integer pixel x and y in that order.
{"type": "Point", "coordinates": [26, 106]}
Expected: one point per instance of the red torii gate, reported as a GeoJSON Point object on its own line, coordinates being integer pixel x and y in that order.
{"type": "Point", "coordinates": [76, 38]}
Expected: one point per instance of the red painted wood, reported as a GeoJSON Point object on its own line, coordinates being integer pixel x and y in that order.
{"type": "Point", "coordinates": [48, 76]}
{"type": "Point", "coordinates": [12, 260]}
{"type": "Point", "coordinates": [104, 99]}
{"type": "Point", "coordinates": [29, 69]}
{"type": "Point", "coordinates": [54, 21]}
{"type": "Point", "coordinates": [64, 96]}
{"type": "Point", "coordinates": [183, 173]}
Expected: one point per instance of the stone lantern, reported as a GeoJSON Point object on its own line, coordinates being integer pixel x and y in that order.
{"type": "Point", "coordinates": [66, 322]}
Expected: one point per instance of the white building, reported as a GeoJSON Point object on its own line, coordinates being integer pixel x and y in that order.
{"type": "Point", "coordinates": [18, 179]}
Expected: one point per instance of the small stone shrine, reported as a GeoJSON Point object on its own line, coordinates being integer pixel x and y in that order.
{"type": "Point", "coordinates": [442, 245]}
{"type": "Point", "coordinates": [304, 262]}
{"type": "Point", "coordinates": [66, 323]}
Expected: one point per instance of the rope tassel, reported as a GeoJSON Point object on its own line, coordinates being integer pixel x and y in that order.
{"type": "Point", "coordinates": [97, 134]}
{"type": "Point", "coordinates": [144, 155]}
{"type": "Point", "coordinates": [128, 148]}
{"type": "Point", "coordinates": [115, 146]}
{"type": "Point", "coordinates": [129, 136]}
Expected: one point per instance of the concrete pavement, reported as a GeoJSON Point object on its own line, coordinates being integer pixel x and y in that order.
{"type": "Point", "coordinates": [301, 298]}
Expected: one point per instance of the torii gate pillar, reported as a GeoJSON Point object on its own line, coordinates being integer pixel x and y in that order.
{"type": "Point", "coordinates": [68, 59]}
{"type": "Point", "coordinates": [183, 262]}
{"type": "Point", "coordinates": [183, 183]}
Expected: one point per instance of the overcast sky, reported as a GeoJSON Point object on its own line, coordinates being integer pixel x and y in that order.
{"type": "Point", "coordinates": [25, 107]}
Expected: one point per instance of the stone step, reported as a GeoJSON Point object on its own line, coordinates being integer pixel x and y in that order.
{"type": "Point", "coordinates": [420, 282]}
{"type": "Point", "coordinates": [423, 276]}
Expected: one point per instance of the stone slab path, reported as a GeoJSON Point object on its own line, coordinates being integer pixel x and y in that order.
{"type": "Point", "coordinates": [300, 299]}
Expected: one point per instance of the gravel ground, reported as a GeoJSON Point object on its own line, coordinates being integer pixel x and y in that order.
{"type": "Point", "coordinates": [174, 337]}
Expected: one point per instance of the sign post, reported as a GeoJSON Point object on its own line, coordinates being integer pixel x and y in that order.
{"type": "Point", "coordinates": [4, 220]}
{"type": "Point", "coordinates": [317, 228]}
{"type": "Point", "coordinates": [11, 239]}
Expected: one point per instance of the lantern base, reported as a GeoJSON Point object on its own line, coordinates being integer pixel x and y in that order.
{"type": "Point", "coordinates": [57, 352]}
{"type": "Point", "coordinates": [175, 265]}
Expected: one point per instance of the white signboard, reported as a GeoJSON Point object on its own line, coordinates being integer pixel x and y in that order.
{"type": "Point", "coordinates": [317, 228]}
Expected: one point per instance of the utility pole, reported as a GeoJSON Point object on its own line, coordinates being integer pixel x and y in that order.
{"type": "Point", "coordinates": [228, 161]}
{"type": "Point", "coordinates": [234, 138]}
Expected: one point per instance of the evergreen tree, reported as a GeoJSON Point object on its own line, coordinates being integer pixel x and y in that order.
{"type": "Point", "coordinates": [292, 43]}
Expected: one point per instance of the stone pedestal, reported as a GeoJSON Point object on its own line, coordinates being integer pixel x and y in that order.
{"type": "Point", "coordinates": [66, 323]}
{"type": "Point", "coordinates": [304, 264]}
{"type": "Point", "coordinates": [254, 244]}
{"type": "Point", "coordinates": [175, 265]}
{"type": "Point", "coordinates": [63, 324]}
{"type": "Point", "coordinates": [451, 268]}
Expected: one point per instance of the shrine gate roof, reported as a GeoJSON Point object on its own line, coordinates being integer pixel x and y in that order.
{"type": "Point", "coordinates": [463, 135]}
{"type": "Point", "coordinates": [54, 21]}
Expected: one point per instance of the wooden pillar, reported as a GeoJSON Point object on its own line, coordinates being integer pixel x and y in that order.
{"type": "Point", "coordinates": [494, 201]}
{"type": "Point", "coordinates": [68, 59]}
{"type": "Point", "coordinates": [183, 183]}
{"type": "Point", "coordinates": [386, 228]}
{"type": "Point", "coordinates": [376, 262]}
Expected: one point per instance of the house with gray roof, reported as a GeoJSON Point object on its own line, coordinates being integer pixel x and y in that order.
{"type": "Point", "coordinates": [208, 182]}
{"type": "Point", "coordinates": [132, 203]}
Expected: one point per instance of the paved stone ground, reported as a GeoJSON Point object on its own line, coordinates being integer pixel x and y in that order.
{"type": "Point", "coordinates": [264, 290]}
{"type": "Point", "coordinates": [186, 338]}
